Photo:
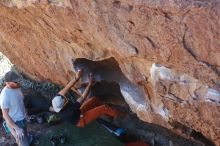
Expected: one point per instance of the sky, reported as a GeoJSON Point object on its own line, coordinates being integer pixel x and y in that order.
{"type": "Point", "coordinates": [5, 65]}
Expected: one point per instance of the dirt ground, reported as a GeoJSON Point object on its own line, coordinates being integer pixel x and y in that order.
{"type": "Point", "coordinates": [36, 129]}
{"type": "Point", "coordinates": [92, 135]}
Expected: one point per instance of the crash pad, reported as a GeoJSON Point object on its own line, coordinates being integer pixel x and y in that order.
{"type": "Point", "coordinates": [91, 135]}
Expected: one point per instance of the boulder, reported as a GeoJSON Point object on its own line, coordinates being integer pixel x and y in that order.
{"type": "Point", "coordinates": [163, 54]}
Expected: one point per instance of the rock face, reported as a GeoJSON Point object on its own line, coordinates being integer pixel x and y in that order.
{"type": "Point", "coordinates": [163, 54]}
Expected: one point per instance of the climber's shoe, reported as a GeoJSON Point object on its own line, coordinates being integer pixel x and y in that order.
{"type": "Point", "coordinates": [62, 139]}
{"type": "Point", "coordinates": [54, 140]}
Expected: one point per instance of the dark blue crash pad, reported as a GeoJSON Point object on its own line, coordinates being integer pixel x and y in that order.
{"type": "Point", "coordinates": [91, 135]}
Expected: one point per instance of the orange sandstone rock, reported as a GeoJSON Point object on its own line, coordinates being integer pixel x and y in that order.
{"type": "Point", "coordinates": [170, 47]}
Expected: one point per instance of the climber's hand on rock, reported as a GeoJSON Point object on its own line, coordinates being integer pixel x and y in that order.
{"type": "Point", "coordinates": [91, 79]}
{"type": "Point", "coordinates": [79, 74]}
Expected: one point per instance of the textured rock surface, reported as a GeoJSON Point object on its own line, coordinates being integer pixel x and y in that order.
{"type": "Point", "coordinates": [166, 52]}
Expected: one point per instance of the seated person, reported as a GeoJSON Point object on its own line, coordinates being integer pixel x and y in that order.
{"type": "Point", "coordinates": [84, 110]}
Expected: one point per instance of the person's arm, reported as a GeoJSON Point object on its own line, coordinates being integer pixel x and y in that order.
{"type": "Point", "coordinates": [86, 91]}
{"type": "Point", "coordinates": [8, 119]}
{"type": "Point", "coordinates": [11, 124]}
{"type": "Point", "coordinates": [71, 84]}
{"type": "Point", "coordinates": [76, 91]}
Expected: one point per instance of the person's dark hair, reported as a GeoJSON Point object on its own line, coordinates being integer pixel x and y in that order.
{"type": "Point", "coordinates": [11, 76]}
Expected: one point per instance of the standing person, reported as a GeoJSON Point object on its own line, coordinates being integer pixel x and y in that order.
{"type": "Point", "coordinates": [84, 110]}
{"type": "Point", "coordinates": [13, 109]}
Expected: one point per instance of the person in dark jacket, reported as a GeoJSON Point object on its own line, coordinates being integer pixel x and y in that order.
{"type": "Point", "coordinates": [85, 109]}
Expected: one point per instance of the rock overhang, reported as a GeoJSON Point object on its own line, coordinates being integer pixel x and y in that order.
{"type": "Point", "coordinates": [167, 52]}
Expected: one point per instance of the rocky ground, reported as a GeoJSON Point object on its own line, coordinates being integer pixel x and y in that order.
{"type": "Point", "coordinates": [151, 134]}
{"type": "Point", "coordinates": [43, 132]}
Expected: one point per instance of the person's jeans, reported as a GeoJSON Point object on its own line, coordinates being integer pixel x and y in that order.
{"type": "Point", "coordinates": [23, 141]}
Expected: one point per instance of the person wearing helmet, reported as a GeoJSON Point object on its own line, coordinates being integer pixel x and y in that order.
{"type": "Point", "coordinates": [85, 110]}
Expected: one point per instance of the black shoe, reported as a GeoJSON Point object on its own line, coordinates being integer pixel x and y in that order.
{"type": "Point", "coordinates": [54, 140]}
{"type": "Point", "coordinates": [36, 142]}
{"type": "Point", "coordinates": [62, 139]}
{"type": "Point", "coordinates": [33, 138]}
{"type": "Point", "coordinates": [40, 119]}
{"type": "Point", "coordinates": [32, 118]}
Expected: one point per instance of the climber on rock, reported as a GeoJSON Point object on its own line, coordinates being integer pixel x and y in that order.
{"type": "Point", "coordinates": [85, 109]}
